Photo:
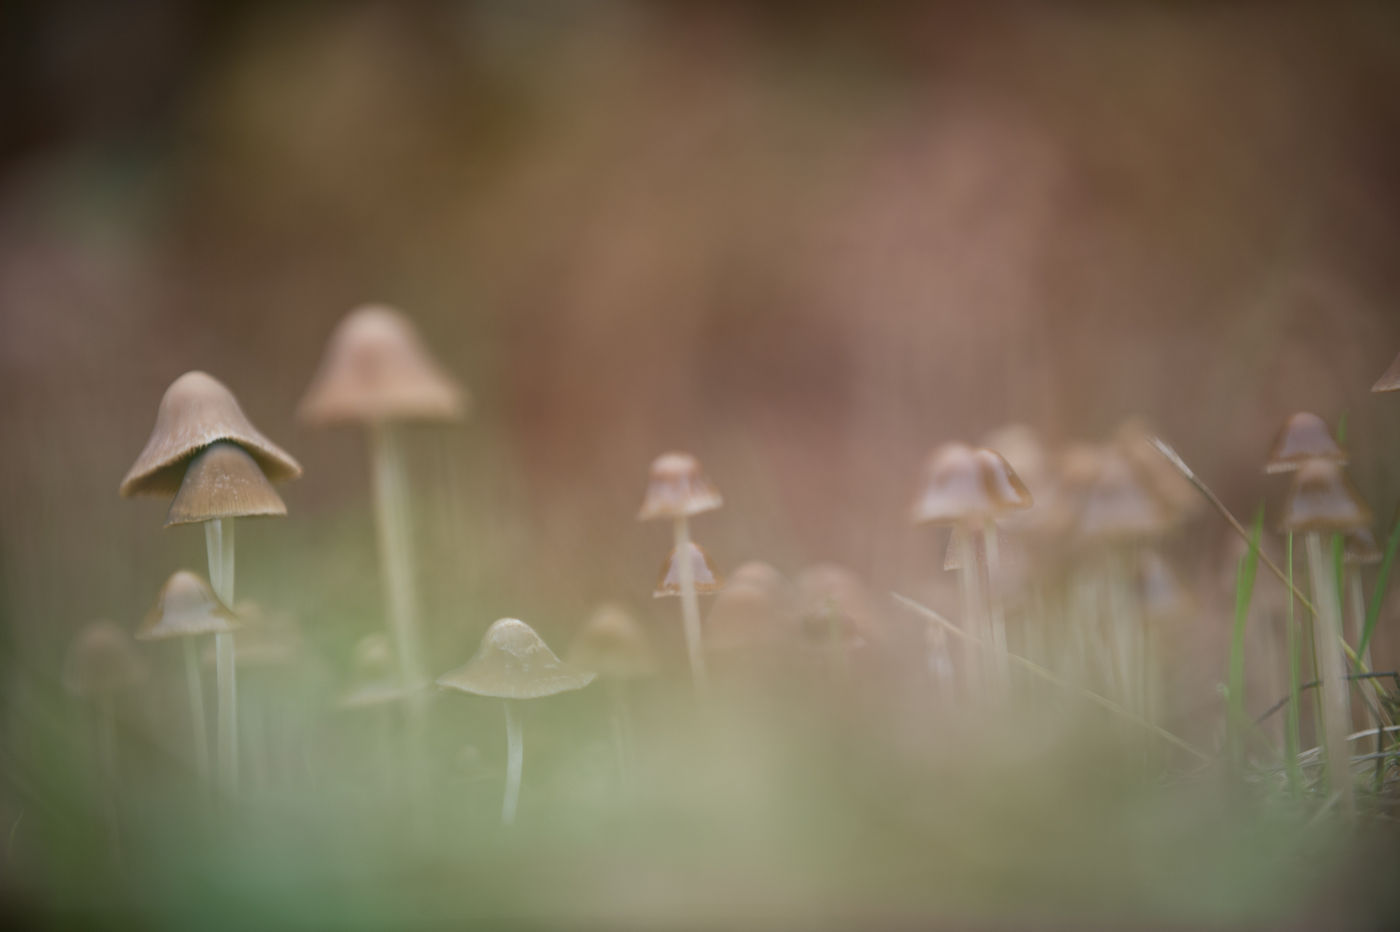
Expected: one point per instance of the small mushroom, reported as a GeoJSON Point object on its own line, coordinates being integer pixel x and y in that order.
{"type": "Point", "coordinates": [688, 560]}
{"type": "Point", "coordinates": [835, 612]}
{"type": "Point", "coordinates": [187, 608]}
{"type": "Point", "coordinates": [612, 645]}
{"type": "Point", "coordinates": [1321, 501]}
{"type": "Point", "coordinates": [513, 663]}
{"type": "Point", "coordinates": [1390, 379]}
{"type": "Point", "coordinates": [677, 489]}
{"type": "Point", "coordinates": [376, 373]}
{"type": "Point", "coordinates": [1303, 437]}
{"type": "Point", "coordinates": [101, 663]}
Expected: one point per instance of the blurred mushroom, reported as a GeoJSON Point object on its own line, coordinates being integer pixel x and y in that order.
{"type": "Point", "coordinates": [376, 373]}
{"type": "Point", "coordinates": [513, 663]}
{"type": "Point", "coordinates": [220, 468]}
{"type": "Point", "coordinates": [1322, 501]}
{"type": "Point", "coordinates": [101, 663]}
{"type": "Point", "coordinates": [835, 612]}
{"type": "Point", "coordinates": [187, 608]}
{"type": "Point", "coordinates": [678, 489]}
{"type": "Point", "coordinates": [614, 647]}
{"type": "Point", "coordinates": [1303, 437]}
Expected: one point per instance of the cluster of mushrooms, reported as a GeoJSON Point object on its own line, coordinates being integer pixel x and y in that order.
{"type": "Point", "coordinates": [1059, 560]}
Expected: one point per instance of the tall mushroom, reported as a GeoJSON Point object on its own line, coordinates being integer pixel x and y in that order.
{"type": "Point", "coordinates": [677, 489]}
{"type": "Point", "coordinates": [1322, 501]}
{"type": "Point", "coordinates": [376, 373]}
{"type": "Point", "coordinates": [513, 663]}
{"type": "Point", "coordinates": [187, 608]}
{"type": "Point", "coordinates": [205, 452]}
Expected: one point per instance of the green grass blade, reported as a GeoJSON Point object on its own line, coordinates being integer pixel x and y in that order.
{"type": "Point", "coordinates": [1373, 610]}
{"type": "Point", "coordinates": [1293, 736]}
{"type": "Point", "coordinates": [1244, 594]}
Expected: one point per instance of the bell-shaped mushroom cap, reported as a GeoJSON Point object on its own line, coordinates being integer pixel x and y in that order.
{"type": "Point", "coordinates": [963, 485]}
{"type": "Point", "coordinates": [707, 578]}
{"type": "Point", "coordinates": [1020, 447]}
{"type": "Point", "coordinates": [375, 368]}
{"type": "Point", "coordinates": [612, 644]}
{"type": "Point", "coordinates": [101, 660]}
{"type": "Point", "coordinates": [197, 410]}
{"type": "Point", "coordinates": [1390, 380]}
{"type": "Point", "coordinates": [1303, 437]}
{"type": "Point", "coordinates": [374, 675]}
{"type": "Point", "coordinates": [513, 662]}
{"type": "Point", "coordinates": [832, 601]}
{"type": "Point", "coordinates": [1118, 505]}
{"type": "Point", "coordinates": [748, 613]}
{"type": "Point", "coordinates": [677, 488]}
{"type": "Point", "coordinates": [1362, 548]}
{"type": "Point", "coordinates": [223, 481]}
{"type": "Point", "coordinates": [186, 606]}
{"type": "Point", "coordinates": [758, 573]}
{"type": "Point", "coordinates": [1322, 500]}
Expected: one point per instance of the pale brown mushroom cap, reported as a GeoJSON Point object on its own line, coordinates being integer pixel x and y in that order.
{"type": "Point", "coordinates": [967, 486]}
{"type": "Point", "coordinates": [1390, 379]}
{"type": "Point", "coordinates": [1020, 446]}
{"type": "Point", "coordinates": [186, 607]}
{"type": "Point", "coordinates": [1323, 500]}
{"type": "Point", "coordinates": [707, 578]}
{"type": "Point", "coordinates": [612, 644]}
{"type": "Point", "coordinates": [830, 597]}
{"type": "Point", "coordinates": [101, 660]}
{"type": "Point", "coordinates": [513, 662]}
{"type": "Point", "coordinates": [195, 411]}
{"type": "Point", "coordinates": [1303, 437]}
{"type": "Point", "coordinates": [376, 369]}
{"type": "Point", "coordinates": [1117, 505]}
{"type": "Point", "coordinates": [758, 573]}
{"type": "Point", "coordinates": [223, 481]}
{"type": "Point", "coordinates": [747, 613]}
{"type": "Point", "coordinates": [677, 488]}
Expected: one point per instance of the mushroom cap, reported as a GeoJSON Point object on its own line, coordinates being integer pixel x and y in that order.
{"type": "Point", "coordinates": [223, 481]}
{"type": "Point", "coordinates": [1390, 379]}
{"type": "Point", "coordinates": [677, 488]}
{"type": "Point", "coordinates": [747, 613]}
{"type": "Point", "coordinates": [1020, 446]}
{"type": "Point", "coordinates": [1303, 437]}
{"type": "Point", "coordinates": [186, 607]}
{"type": "Point", "coordinates": [513, 662]}
{"type": "Point", "coordinates": [758, 573]}
{"type": "Point", "coordinates": [1322, 499]}
{"type": "Point", "coordinates": [969, 486]}
{"type": "Point", "coordinates": [374, 675]}
{"type": "Point", "coordinates": [375, 368]}
{"type": "Point", "coordinates": [612, 644]}
{"type": "Point", "coordinates": [830, 596]}
{"type": "Point", "coordinates": [1362, 548]}
{"type": "Point", "coordinates": [102, 659]}
{"type": "Point", "coordinates": [707, 578]}
{"type": "Point", "coordinates": [195, 411]}
{"type": "Point", "coordinates": [1117, 505]}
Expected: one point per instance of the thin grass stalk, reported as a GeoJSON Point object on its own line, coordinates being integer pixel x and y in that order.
{"type": "Point", "coordinates": [1373, 613]}
{"type": "Point", "coordinates": [1293, 732]}
{"type": "Point", "coordinates": [1332, 672]}
{"type": "Point", "coordinates": [219, 542]}
{"type": "Point", "coordinates": [690, 608]}
{"type": "Point", "coordinates": [1244, 595]}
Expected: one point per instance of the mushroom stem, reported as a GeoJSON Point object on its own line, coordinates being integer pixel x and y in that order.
{"type": "Point", "coordinates": [1332, 670]}
{"type": "Point", "coordinates": [195, 683]}
{"type": "Point", "coordinates": [996, 611]}
{"type": "Point", "coordinates": [515, 757]}
{"type": "Point", "coordinates": [396, 558]}
{"type": "Point", "coordinates": [690, 607]}
{"type": "Point", "coordinates": [219, 541]}
{"type": "Point", "coordinates": [973, 621]}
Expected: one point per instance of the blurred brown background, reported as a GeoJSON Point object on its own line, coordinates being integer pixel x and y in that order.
{"type": "Point", "coordinates": [805, 241]}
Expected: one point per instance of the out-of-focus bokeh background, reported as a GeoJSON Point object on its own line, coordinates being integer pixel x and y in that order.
{"type": "Point", "coordinates": [807, 241]}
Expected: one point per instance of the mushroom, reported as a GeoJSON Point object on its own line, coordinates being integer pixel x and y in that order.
{"type": "Point", "coordinates": [1390, 379]}
{"type": "Point", "coordinates": [376, 373]}
{"type": "Point", "coordinates": [969, 489]}
{"type": "Point", "coordinates": [513, 663]}
{"type": "Point", "coordinates": [1322, 501]}
{"type": "Point", "coordinates": [1303, 437]}
{"type": "Point", "coordinates": [614, 647]}
{"type": "Point", "coordinates": [219, 467]}
{"type": "Point", "coordinates": [750, 611]}
{"type": "Point", "coordinates": [187, 608]}
{"type": "Point", "coordinates": [678, 489]}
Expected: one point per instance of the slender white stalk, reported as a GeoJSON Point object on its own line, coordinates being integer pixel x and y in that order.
{"type": "Point", "coordinates": [1332, 671]}
{"type": "Point", "coordinates": [391, 509]}
{"type": "Point", "coordinates": [690, 607]}
{"type": "Point", "coordinates": [515, 758]}
{"type": "Point", "coordinates": [996, 610]}
{"type": "Point", "coordinates": [973, 621]}
{"type": "Point", "coordinates": [195, 682]}
{"type": "Point", "coordinates": [219, 541]}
